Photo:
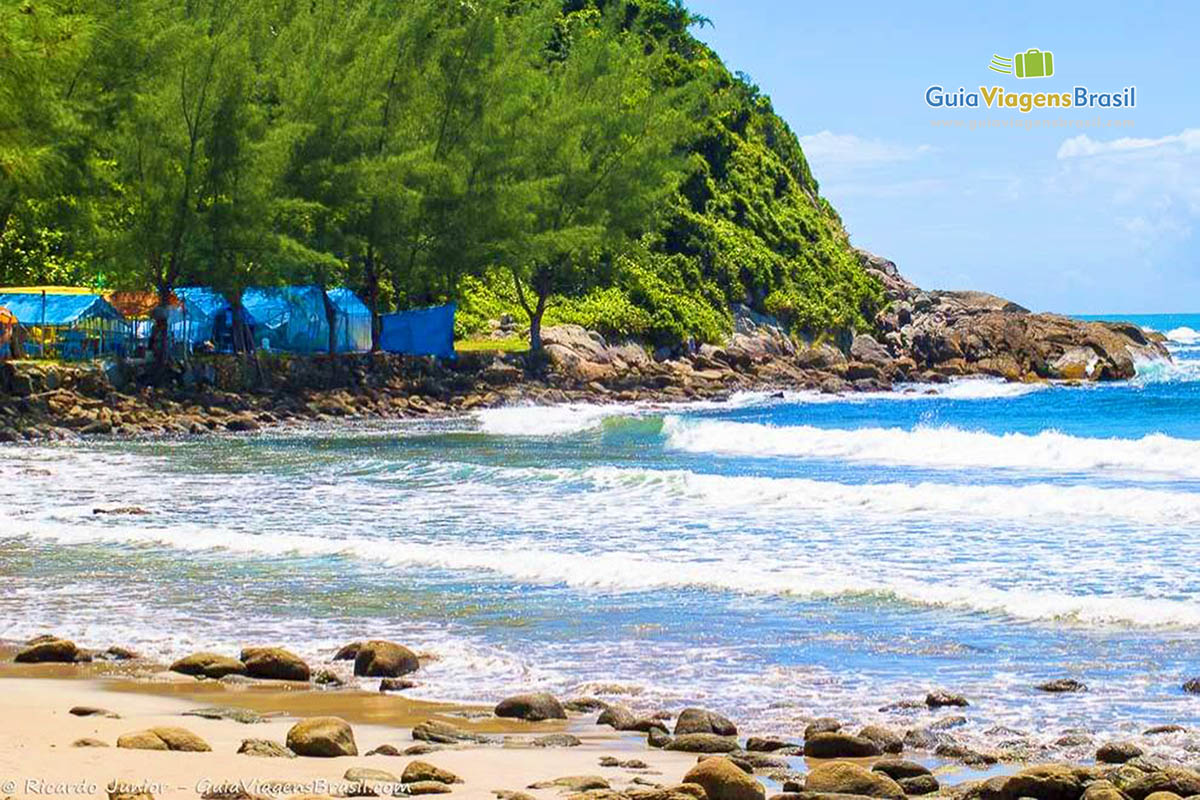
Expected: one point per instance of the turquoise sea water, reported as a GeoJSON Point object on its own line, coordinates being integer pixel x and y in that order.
{"type": "Point", "coordinates": [772, 558]}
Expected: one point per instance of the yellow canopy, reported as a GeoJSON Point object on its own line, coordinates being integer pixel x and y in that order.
{"type": "Point", "coordinates": [46, 289]}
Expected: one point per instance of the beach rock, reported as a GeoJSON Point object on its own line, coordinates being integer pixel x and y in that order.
{"type": "Point", "coordinates": [92, 711]}
{"type": "Point", "coordinates": [1158, 730]}
{"type": "Point", "coordinates": [274, 663]}
{"type": "Point", "coordinates": [126, 793]}
{"type": "Point", "coordinates": [840, 745]}
{"type": "Point", "coordinates": [531, 707]}
{"type": "Point", "coordinates": [940, 698]}
{"type": "Point", "coordinates": [658, 738]}
{"type": "Point", "coordinates": [164, 738]}
{"type": "Point", "coordinates": [1118, 752]}
{"type": "Point", "coordinates": [557, 740]}
{"type": "Point", "coordinates": [919, 784]}
{"type": "Point", "coordinates": [327, 677]}
{"type": "Point", "coordinates": [396, 684]}
{"type": "Point", "coordinates": [964, 753]}
{"type": "Point", "coordinates": [381, 659]}
{"type": "Point", "coordinates": [242, 715]}
{"type": "Point", "coordinates": [1183, 782]}
{"type": "Point", "coordinates": [1163, 796]}
{"type": "Point", "coordinates": [48, 650]}
{"type": "Point", "coordinates": [574, 783]}
{"type": "Point", "coordinates": [699, 720]}
{"type": "Point", "coordinates": [208, 665]}
{"type": "Point", "coordinates": [368, 775]}
{"type": "Point", "coordinates": [759, 760]}
{"type": "Point", "coordinates": [420, 749]}
{"type": "Point", "coordinates": [767, 744]}
{"type": "Point", "coordinates": [347, 652]}
{"type": "Point", "coordinates": [1102, 790]}
{"type": "Point", "coordinates": [86, 742]}
{"type": "Point", "coordinates": [723, 780]}
{"type": "Point", "coordinates": [617, 716]}
{"type": "Point", "coordinates": [585, 704]}
{"type": "Point", "coordinates": [264, 748]}
{"type": "Point", "coordinates": [322, 737]}
{"type": "Point", "coordinates": [843, 777]}
{"type": "Point", "coordinates": [116, 653]}
{"type": "Point", "coordinates": [702, 743]}
{"type": "Point", "coordinates": [426, 787]}
{"type": "Point", "coordinates": [885, 738]}
{"type": "Point", "coordinates": [424, 771]}
{"type": "Point", "coordinates": [385, 750]}
{"type": "Point", "coordinates": [898, 768]}
{"type": "Point", "coordinates": [1044, 782]}
{"type": "Point", "coordinates": [1192, 686]}
{"type": "Point", "coordinates": [1061, 685]}
{"type": "Point", "coordinates": [439, 732]}
{"type": "Point", "coordinates": [822, 725]}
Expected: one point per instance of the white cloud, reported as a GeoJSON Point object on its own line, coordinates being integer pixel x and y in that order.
{"type": "Point", "coordinates": [830, 150]}
{"type": "Point", "coordinates": [1083, 146]}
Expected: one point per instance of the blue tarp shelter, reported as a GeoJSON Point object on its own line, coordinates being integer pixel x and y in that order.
{"type": "Point", "coordinates": [420, 332]}
{"type": "Point", "coordinates": [354, 321]}
{"type": "Point", "coordinates": [201, 306]}
{"type": "Point", "coordinates": [72, 324]}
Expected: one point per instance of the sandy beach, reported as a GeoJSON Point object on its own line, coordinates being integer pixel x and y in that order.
{"type": "Point", "coordinates": [37, 758]}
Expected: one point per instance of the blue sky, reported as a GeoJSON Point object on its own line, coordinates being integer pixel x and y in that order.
{"type": "Point", "coordinates": [1078, 220]}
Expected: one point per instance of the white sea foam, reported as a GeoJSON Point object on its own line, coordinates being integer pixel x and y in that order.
{"type": "Point", "coordinates": [1153, 456]}
{"type": "Point", "coordinates": [618, 570]}
{"type": "Point", "coordinates": [1184, 335]}
{"type": "Point", "coordinates": [559, 420]}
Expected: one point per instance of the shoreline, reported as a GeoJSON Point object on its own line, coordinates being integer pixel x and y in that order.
{"type": "Point", "coordinates": [145, 694]}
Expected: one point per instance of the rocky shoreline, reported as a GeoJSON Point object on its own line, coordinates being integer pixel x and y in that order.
{"type": "Point", "coordinates": [825, 759]}
{"type": "Point", "coordinates": [923, 337]}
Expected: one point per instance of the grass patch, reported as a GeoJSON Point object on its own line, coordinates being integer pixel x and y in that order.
{"type": "Point", "coordinates": [514, 344]}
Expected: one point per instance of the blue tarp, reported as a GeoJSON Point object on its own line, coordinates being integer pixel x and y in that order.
{"type": "Point", "coordinates": [354, 321]}
{"type": "Point", "coordinates": [420, 332]}
{"type": "Point", "coordinates": [60, 309]}
{"type": "Point", "coordinates": [290, 318]}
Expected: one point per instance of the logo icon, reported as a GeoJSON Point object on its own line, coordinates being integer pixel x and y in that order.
{"type": "Point", "coordinates": [1033, 63]}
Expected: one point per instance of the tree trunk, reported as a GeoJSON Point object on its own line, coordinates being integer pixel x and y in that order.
{"type": "Point", "coordinates": [331, 319]}
{"type": "Point", "coordinates": [535, 324]}
{"type": "Point", "coordinates": [372, 292]}
{"type": "Point", "coordinates": [160, 333]}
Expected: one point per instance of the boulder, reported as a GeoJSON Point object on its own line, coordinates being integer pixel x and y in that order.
{"type": "Point", "coordinates": [840, 745]}
{"type": "Point", "coordinates": [242, 715]}
{"type": "Point", "coordinates": [531, 707]}
{"type": "Point", "coordinates": [898, 768]}
{"type": "Point", "coordinates": [1045, 782]}
{"type": "Point", "coordinates": [208, 665]}
{"type": "Point", "coordinates": [940, 698]}
{"type": "Point", "coordinates": [699, 720]}
{"type": "Point", "coordinates": [574, 783]}
{"type": "Point", "coordinates": [1192, 686]}
{"type": "Point", "coordinates": [843, 777]}
{"type": "Point", "coordinates": [264, 748]}
{"type": "Point", "coordinates": [1102, 790]}
{"type": "Point", "coordinates": [1061, 686]}
{"type": "Point", "coordinates": [87, 742]}
{"type": "Point", "coordinates": [885, 738]}
{"type": "Point", "coordinates": [1118, 752]}
{"type": "Point", "coordinates": [723, 780]}
{"type": "Point", "coordinates": [274, 663]}
{"type": "Point", "coordinates": [164, 738]}
{"type": "Point", "coordinates": [702, 743]}
{"type": "Point", "coordinates": [767, 744]}
{"type": "Point", "coordinates": [48, 650]}
{"type": "Point", "coordinates": [92, 711]}
{"type": "Point", "coordinates": [822, 725]}
{"type": "Point", "coordinates": [322, 737]}
{"type": "Point", "coordinates": [618, 717]}
{"type": "Point", "coordinates": [439, 732]}
{"type": "Point", "coordinates": [1183, 782]}
{"type": "Point", "coordinates": [380, 659]}
{"type": "Point", "coordinates": [919, 784]}
{"type": "Point", "coordinates": [347, 652]}
{"type": "Point", "coordinates": [423, 771]}
{"type": "Point", "coordinates": [557, 740]}
{"type": "Point", "coordinates": [426, 787]}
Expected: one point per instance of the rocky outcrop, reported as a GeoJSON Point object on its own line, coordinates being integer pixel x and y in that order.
{"type": "Point", "coordinates": [164, 738]}
{"type": "Point", "coordinates": [700, 720]}
{"type": "Point", "coordinates": [961, 333]}
{"type": "Point", "coordinates": [208, 665]}
{"type": "Point", "coordinates": [723, 780]}
{"type": "Point", "coordinates": [843, 777]}
{"type": "Point", "coordinates": [49, 649]}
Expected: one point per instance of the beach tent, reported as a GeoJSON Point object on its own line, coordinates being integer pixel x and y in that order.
{"type": "Point", "coordinates": [290, 318]}
{"type": "Point", "coordinates": [420, 332]}
{"type": "Point", "coordinates": [8, 326]}
{"type": "Point", "coordinates": [353, 321]}
{"type": "Point", "coordinates": [74, 324]}
{"type": "Point", "coordinates": [138, 309]}
{"type": "Point", "coordinates": [208, 317]}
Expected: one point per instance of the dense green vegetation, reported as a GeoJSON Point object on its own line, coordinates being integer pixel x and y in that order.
{"type": "Point", "coordinates": [579, 161]}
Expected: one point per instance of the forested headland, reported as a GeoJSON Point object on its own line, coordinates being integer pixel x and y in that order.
{"type": "Point", "coordinates": [584, 161]}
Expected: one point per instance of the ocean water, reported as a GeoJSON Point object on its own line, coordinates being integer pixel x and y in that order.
{"type": "Point", "coordinates": [774, 558]}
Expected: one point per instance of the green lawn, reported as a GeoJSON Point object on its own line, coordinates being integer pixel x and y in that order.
{"type": "Point", "coordinates": [515, 344]}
